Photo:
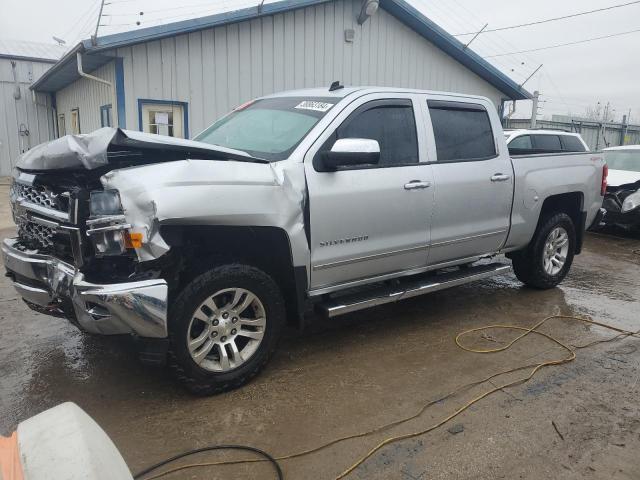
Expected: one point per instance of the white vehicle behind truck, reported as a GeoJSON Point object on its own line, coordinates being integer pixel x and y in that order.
{"type": "Point", "coordinates": [338, 199]}
{"type": "Point", "coordinates": [531, 142]}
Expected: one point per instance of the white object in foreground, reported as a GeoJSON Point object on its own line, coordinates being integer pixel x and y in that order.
{"type": "Point", "coordinates": [67, 444]}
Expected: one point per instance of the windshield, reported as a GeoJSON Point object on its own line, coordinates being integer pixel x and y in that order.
{"type": "Point", "coordinates": [269, 128]}
{"type": "Point", "coordinates": [628, 160]}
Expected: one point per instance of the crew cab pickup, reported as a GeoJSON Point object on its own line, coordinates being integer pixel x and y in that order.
{"type": "Point", "coordinates": [338, 199]}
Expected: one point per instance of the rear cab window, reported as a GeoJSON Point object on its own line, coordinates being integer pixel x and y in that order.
{"type": "Point", "coordinates": [462, 131]}
{"type": "Point", "coordinates": [546, 143]}
{"type": "Point", "coordinates": [572, 144]}
{"type": "Point", "coordinates": [520, 145]}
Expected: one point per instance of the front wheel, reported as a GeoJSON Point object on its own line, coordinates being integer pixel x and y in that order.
{"type": "Point", "coordinates": [548, 258]}
{"type": "Point", "coordinates": [224, 327]}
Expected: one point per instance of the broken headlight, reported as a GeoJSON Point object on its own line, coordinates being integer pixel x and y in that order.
{"type": "Point", "coordinates": [105, 202]}
{"type": "Point", "coordinates": [107, 227]}
{"type": "Point", "coordinates": [631, 202]}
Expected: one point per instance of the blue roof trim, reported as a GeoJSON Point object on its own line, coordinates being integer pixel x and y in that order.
{"type": "Point", "coordinates": [195, 24]}
{"type": "Point", "coordinates": [400, 9]}
{"type": "Point", "coordinates": [410, 16]}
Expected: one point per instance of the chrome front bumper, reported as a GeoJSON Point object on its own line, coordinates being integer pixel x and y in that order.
{"type": "Point", "coordinates": [133, 307]}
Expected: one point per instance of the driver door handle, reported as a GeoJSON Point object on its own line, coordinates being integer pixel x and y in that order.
{"type": "Point", "coordinates": [500, 177]}
{"type": "Point", "coordinates": [416, 184]}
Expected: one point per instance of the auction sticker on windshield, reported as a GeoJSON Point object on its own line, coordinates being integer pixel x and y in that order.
{"type": "Point", "coordinates": [313, 105]}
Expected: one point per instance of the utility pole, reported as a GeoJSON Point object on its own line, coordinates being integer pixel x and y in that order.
{"type": "Point", "coordinates": [534, 108]}
{"type": "Point", "coordinates": [624, 128]}
{"type": "Point", "coordinates": [94, 37]}
{"type": "Point", "coordinates": [605, 119]}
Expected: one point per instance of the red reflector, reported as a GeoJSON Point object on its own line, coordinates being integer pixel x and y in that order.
{"type": "Point", "coordinates": [243, 106]}
{"type": "Point", "coordinates": [605, 174]}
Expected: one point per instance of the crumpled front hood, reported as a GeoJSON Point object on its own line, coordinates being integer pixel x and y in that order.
{"type": "Point", "coordinates": [617, 178]}
{"type": "Point", "coordinates": [113, 146]}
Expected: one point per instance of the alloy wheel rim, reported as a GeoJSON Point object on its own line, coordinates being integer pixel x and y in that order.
{"type": "Point", "coordinates": [556, 248]}
{"type": "Point", "coordinates": [226, 329]}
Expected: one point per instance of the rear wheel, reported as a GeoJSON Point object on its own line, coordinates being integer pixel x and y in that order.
{"type": "Point", "coordinates": [224, 327]}
{"type": "Point", "coordinates": [548, 258]}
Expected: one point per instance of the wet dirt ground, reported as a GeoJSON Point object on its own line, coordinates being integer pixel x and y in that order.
{"type": "Point", "coordinates": [360, 371]}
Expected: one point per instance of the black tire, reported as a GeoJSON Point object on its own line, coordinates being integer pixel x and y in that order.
{"type": "Point", "coordinates": [528, 263]}
{"type": "Point", "coordinates": [206, 382]}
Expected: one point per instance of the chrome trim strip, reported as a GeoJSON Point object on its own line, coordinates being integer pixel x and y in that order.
{"type": "Point", "coordinates": [396, 274]}
{"type": "Point", "coordinates": [49, 212]}
{"type": "Point", "coordinates": [43, 221]}
{"type": "Point", "coordinates": [431, 285]}
{"type": "Point", "coordinates": [108, 228]}
{"type": "Point", "coordinates": [375, 256]}
{"type": "Point", "coordinates": [106, 219]}
{"type": "Point", "coordinates": [466, 239]}
{"type": "Point", "coordinates": [39, 296]}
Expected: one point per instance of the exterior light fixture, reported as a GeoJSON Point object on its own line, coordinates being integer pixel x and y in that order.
{"type": "Point", "coordinates": [369, 7]}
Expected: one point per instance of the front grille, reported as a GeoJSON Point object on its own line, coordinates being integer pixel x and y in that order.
{"type": "Point", "coordinates": [41, 215]}
{"type": "Point", "coordinates": [36, 235]}
{"type": "Point", "coordinates": [41, 196]}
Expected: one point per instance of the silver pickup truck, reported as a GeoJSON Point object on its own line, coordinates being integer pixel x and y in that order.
{"type": "Point", "coordinates": [337, 199]}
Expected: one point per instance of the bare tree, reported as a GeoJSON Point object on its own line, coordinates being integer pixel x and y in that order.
{"type": "Point", "coordinates": [594, 113]}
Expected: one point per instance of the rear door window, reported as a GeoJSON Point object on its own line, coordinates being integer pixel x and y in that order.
{"type": "Point", "coordinates": [572, 144]}
{"type": "Point", "coordinates": [547, 143]}
{"type": "Point", "coordinates": [462, 131]}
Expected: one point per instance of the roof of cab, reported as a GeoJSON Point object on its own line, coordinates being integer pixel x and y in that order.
{"type": "Point", "coordinates": [342, 92]}
{"type": "Point", "coordinates": [511, 131]}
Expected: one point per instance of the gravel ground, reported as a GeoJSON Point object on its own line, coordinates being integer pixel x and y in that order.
{"type": "Point", "coordinates": [351, 374]}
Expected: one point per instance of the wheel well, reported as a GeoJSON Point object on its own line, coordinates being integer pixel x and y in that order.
{"type": "Point", "coordinates": [267, 248]}
{"type": "Point", "coordinates": [570, 203]}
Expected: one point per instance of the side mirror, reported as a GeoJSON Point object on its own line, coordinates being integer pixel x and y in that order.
{"type": "Point", "coordinates": [347, 152]}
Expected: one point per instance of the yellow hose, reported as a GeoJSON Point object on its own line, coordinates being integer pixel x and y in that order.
{"type": "Point", "coordinates": [534, 369]}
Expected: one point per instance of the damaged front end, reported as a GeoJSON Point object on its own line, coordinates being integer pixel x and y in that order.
{"type": "Point", "coordinates": [76, 252]}
{"type": "Point", "coordinates": [68, 261]}
{"type": "Point", "coordinates": [622, 204]}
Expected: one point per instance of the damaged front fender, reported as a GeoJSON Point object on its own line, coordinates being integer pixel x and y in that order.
{"type": "Point", "coordinates": [205, 192]}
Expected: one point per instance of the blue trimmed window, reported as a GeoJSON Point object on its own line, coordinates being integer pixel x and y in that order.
{"type": "Point", "coordinates": [106, 116]}
{"type": "Point", "coordinates": [163, 117]}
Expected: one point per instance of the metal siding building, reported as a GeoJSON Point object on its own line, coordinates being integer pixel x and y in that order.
{"type": "Point", "coordinates": [87, 96]}
{"type": "Point", "coordinates": [24, 122]}
{"type": "Point", "coordinates": [200, 69]}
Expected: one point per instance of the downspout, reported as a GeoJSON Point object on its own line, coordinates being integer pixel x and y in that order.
{"type": "Point", "coordinates": [34, 99]}
{"type": "Point", "coordinates": [16, 85]}
{"type": "Point", "coordinates": [114, 100]}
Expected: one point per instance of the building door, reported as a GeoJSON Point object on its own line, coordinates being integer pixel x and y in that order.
{"type": "Point", "coordinates": [62, 128]}
{"type": "Point", "coordinates": [371, 221]}
{"type": "Point", "coordinates": [163, 119]}
{"type": "Point", "coordinates": [75, 121]}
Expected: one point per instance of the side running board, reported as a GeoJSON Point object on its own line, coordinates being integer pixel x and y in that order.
{"type": "Point", "coordinates": [410, 288]}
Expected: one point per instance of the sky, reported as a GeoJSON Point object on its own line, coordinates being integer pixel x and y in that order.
{"type": "Point", "coordinates": [571, 80]}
